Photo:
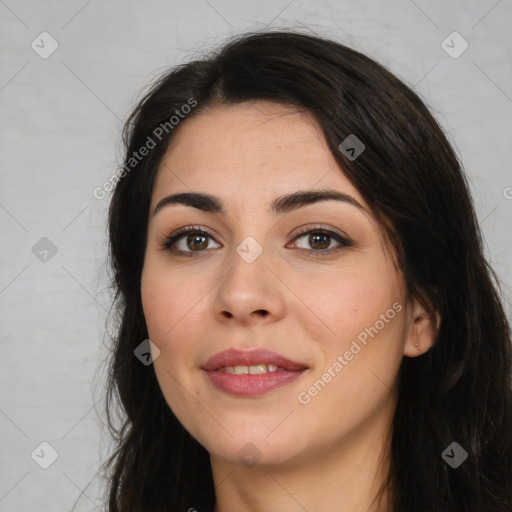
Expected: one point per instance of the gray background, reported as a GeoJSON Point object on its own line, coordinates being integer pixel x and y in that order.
{"type": "Point", "coordinates": [60, 125]}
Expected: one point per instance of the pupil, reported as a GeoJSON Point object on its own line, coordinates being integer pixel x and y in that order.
{"type": "Point", "coordinates": [315, 237]}
{"type": "Point", "coordinates": [196, 238]}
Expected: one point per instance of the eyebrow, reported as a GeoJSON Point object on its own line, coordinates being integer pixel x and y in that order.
{"type": "Point", "coordinates": [280, 205]}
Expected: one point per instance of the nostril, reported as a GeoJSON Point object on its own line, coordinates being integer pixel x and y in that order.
{"type": "Point", "coordinates": [261, 312]}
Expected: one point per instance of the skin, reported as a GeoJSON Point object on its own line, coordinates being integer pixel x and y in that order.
{"type": "Point", "coordinates": [328, 454]}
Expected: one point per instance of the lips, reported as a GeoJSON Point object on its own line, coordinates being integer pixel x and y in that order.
{"type": "Point", "coordinates": [233, 357]}
{"type": "Point", "coordinates": [251, 374]}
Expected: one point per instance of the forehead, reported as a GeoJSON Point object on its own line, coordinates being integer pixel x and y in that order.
{"type": "Point", "coordinates": [248, 152]}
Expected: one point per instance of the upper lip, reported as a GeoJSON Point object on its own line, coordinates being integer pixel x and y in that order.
{"type": "Point", "coordinates": [234, 357]}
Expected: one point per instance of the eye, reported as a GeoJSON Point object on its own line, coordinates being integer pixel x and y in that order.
{"type": "Point", "coordinates": [194, 239]}
{"type": "Point", "coordinates": [189, 237]}
{"type": "Point", "coordinates": [320, 239]}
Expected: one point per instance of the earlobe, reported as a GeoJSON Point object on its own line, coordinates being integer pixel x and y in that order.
{"type": "Point", "coordinates": [422, 331]}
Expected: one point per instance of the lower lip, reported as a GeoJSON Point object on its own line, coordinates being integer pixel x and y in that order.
{"type": "Point", "coordinates": [252, 385]}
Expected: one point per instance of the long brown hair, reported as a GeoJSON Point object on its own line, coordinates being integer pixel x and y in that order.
{"type": "Point", "coordinates": [459, 391]}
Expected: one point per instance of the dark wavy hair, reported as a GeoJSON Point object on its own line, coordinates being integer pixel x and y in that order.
{"type": "Point", "coordinates": [459, 390]}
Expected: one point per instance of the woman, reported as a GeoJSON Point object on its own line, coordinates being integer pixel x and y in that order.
{"type": "Point", "coordinates": [294, 234]}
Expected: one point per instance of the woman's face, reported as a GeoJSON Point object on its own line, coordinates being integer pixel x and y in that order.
{"type": "Point", "coordinates": [307, 282]}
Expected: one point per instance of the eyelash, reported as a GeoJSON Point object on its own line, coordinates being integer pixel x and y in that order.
{"type": "Point", "coordinates": [170, 240]}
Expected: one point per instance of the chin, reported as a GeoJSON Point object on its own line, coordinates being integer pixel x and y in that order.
{"type": "Point", "coordinates": [253, 451]}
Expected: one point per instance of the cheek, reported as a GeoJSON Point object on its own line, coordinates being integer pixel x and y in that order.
{"type": "Point", "coordinates": [168, 309]}
{"type": "Point", "coordinates": [173, 312]}
{"type": "Point", "coordinates": [359, 324]}
{"type": "Point", "coordinates": [350, 301]}
{"type": "Point", "coordinates": [361, 353]}
{"type": "Point", "coordinates": [170, 300]}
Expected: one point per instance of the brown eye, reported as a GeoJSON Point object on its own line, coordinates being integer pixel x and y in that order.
{"type": "Point", "coordinates": [319, 241]}
{"type": "Point", "coordinates": [188, 241]}
{"type": "Point", "coordinates": [195, 242]}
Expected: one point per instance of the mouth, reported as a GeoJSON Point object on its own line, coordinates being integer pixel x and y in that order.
{"type": "Point", "coordinates": [251, 373]}
{"type": "Point", "coordinates": [255, 360]}
{"type": "Point", "coordinates": [256, 369]}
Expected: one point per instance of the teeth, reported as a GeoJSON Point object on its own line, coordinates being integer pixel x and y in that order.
{"type": "Point", "coordinates": [260, 368]}
{"type": "Point", "coordinates": [251, 370]}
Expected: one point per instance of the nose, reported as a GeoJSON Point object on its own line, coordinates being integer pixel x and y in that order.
{"type": "Point", "coordinates": [249, 293]}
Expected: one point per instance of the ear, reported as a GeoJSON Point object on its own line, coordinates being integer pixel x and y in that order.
{"type": "Point", "coordinates": [422, 329]}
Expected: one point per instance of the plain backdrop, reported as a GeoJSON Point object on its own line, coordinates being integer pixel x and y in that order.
{"type": "Point", "coordinates": [60, 123]}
